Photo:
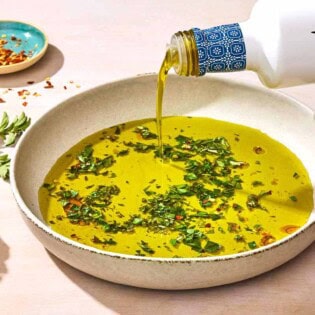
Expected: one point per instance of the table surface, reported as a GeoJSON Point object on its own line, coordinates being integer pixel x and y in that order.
{"type": "Point", "coordinates": [91, 43]}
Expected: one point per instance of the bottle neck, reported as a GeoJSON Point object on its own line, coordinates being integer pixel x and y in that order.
{"type": "Point", "coordinates": [217, 49]}
{"type": "Point", "coordinates": [184, 54]}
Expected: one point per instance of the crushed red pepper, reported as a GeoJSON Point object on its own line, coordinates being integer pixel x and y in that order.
{"type": "Point", "coordinates": [48, 85]}
{"type": "Point", "coordinates": [10, 57]}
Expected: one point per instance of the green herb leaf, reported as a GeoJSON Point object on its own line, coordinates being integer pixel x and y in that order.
{"type": "Point", "coordinates": [253, 201]}
{"type": "Point", "coordinates": [87, 163]}
{"type": "Point", "coordinates": [4, 166]}
{"type": "Point", "coordinates": [212, 247]}
{"type": "Point", "coordinates": [145, 247]}
{"type": "Point", "coordinates": [140, 147]}
{"type": "Point", "coordinates": [294, 198]}
{"type": "Point", "coordinates": [137, 221]}
{"type": "Point", "coordinates": [252, 245]}
{"type": "Point", "coordinates": [145, 132]}
{"type": "Point", "coordinates": [239, 238]}
{"type": "Point", "coordinates": [105, 241]}
{"type": "Point", "coordinates": [257, 183]}
{"type": "Point", "coordinates": [4, 122]}
{"type": "Point", "coordinates": [49, 187]}
{"type": "Point", "coordinates": [9, 132]}
{"type": "Point", "coordinates": [174, 242]}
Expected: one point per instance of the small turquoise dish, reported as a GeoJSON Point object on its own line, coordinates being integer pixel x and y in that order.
{"type": "Point", "coordinates": [20, 36]}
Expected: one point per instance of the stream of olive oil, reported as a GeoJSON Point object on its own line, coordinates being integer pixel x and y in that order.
{"type": "Point", "coordinates": [125, 223]}
{"type": "Point", "coordinates": [162, 76]}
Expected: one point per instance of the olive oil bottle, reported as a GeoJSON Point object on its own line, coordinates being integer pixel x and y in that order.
{"type": "Point", "coordinates": [277, 42]}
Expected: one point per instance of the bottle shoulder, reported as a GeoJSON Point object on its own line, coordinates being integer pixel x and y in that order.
{"type": "Point", "coordinates": [280, 46]}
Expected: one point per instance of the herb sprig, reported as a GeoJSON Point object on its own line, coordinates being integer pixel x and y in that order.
{"type": "Point", "coordinates": [9, 132]}
{"type": "Point", "coordinates": [4, 166]}
{"type": "Point", "coordinates": [88, 163]}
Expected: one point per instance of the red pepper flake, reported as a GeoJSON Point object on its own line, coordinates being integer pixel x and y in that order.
{"type": "Point", "coordinates": [24, 103]}
{"type": "Point", "coordinates": [267, 239]}
{"type": "Point", "coordinates": [2, 100]}
{"type": "Point", "coordinates": [64, 87]}
{"type": "Point", "coordinates": [49, 85]}
{"type": "Point", "coordinates": [179, 217]}
{"type": "Point", "coordinates": [8, 56]}
{"type": "Point", "coordinates": [20, 93]}
{"type": "Point", "coordinates": [23, 92]}
{"type": "Point", "coordinates": [30, 82]}
{"type": "Point", "coordinates": [289, 228]}
{"type": "Point", "coordinates": [208, 225]}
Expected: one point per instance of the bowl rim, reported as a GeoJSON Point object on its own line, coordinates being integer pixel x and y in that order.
{"type": "Point", "coordinates": [32, 218]}
{"type": "Point", "coordinates": [6, 69]}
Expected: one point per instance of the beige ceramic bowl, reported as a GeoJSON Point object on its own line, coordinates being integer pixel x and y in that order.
{"type": "Point", "coordinates": [282, 118]}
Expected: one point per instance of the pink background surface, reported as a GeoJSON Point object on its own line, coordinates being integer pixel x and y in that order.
{"type": "Point", "coordinates": [91, 43]}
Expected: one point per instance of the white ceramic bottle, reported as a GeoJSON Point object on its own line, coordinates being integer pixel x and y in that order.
{"type": "Point", "coordinates": [277, 42]}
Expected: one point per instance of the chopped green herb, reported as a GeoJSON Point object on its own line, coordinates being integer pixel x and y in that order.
{"type": "Point", "coordinates": [138, 253]}
{"type": "Point", "coordinates": [239, 238]}
{"type": "Point", "coordinates": [252, 245]}
{"type": "Point", "coordinates": [192, 238]}
{"type": "Point", "coordinates": [87, 163]}
{"type": "Point", "coordinates": [237, 207]}
{"type": "Point", "coordinates": [145, 247]}
{"type": "Point", "coordinates": [110, 241]}
{"type": "Point", "coordinates": [212, 247]}
{"type": "Point", "coordinates": [102, 195]}
{"type": "Point", "coordinates": [117, 130]}
{"type": "Point", "coordinates": [137, 221]}
{"type": "Point", "coordinates": [140, 147]}
{"type": "Point", "coordinates": [257, 183]}
{"type": "Point", "coordinates": [49, 187]}
{"type": "Point", "coordinates": [233, 227]}
{"type": "Point", "coordinates": [221, 230]}
{"type": "Point", "coordinates": [216, 146]}
{"type": "Point", "coordinates": [123, 152]}
{"type": "Point", "coordinates": [174, 242]}
{"type": "Point", "coordinates": [253, 201]}
{"type": "Point", "coordinates": [145, 133]}
{"type": "Point", "coordinates": [258, 228]}
{"type": "Point", "coordinates": [294, 198]}
{"type": "Point", "coordinates": [148, 192]}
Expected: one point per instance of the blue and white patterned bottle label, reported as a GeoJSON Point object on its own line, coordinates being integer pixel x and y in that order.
{"type": "Point", "coordinates": [220, 48]}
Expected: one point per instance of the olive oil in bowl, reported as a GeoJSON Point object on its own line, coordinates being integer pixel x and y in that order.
{"type": "Point", "coordinates": [215, 188]}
